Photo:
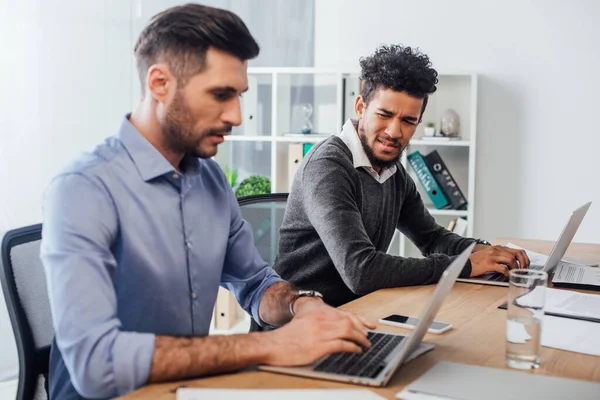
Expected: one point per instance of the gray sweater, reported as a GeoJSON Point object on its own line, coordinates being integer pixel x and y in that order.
{"type": "Point", "coordinates": [339, 223]}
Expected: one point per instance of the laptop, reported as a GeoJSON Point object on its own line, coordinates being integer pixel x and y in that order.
{"type": "Point", "coordinates": [375, 366]}
{"type": "Point", "coordinates": [555, 256]}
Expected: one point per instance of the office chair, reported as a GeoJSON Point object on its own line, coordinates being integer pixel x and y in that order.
{"type": "Point", "coordinates": [26, 294]}
{"type": "Point", "coordinates": [264, 213]}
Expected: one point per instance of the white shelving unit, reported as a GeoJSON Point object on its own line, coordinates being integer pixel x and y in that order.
{"type": "Point", "coordinates": [272, 107]}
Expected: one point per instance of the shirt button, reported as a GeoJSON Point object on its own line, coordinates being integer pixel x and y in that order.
{"type": "Point", "coordinates": [194, 296]}
{"type": "Point", "coordinates": [188, 244]}
{"type": "Point", "coordinates": [175, 175]}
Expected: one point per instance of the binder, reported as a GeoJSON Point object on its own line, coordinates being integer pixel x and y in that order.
{"type": "Point", "coordinates": [445, 180]}
{"type": "Point", "coordinates": [431, 186]}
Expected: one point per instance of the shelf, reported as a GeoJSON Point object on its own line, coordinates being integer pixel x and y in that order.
{"type": "Point", "coordinates": [450, 213]}
{"type": "Point", "coordinates": [449, 143]}
{"type": "Point", "coordinates": [283, 139]}
{"type": "Point", "coordinates": [243, 138]}
{"type": "Point", "coordinates": [301, 139]}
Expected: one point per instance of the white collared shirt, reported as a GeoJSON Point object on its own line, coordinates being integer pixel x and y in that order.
{"type": "Point", "coordinates": [350, 136]}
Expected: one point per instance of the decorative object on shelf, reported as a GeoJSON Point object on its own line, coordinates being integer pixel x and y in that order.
{"type": "Point", "coordinates": [307, 109]}
{"type": "Point", "coordinates": [429, 130]}
{"type": "Point", "coordinates": [450, 124]}
{"type": "Point", "coordinates": [255, 184]}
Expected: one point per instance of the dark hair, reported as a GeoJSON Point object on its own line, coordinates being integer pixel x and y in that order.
{"type": "Point", "coordinates": [399, 68]}
{"type": "Point", "coordinates": [182, 35]}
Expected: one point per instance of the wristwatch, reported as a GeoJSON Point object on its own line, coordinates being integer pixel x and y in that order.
{"type": "Point", "coordinates": [483, 241]}
{"type": "Point", "coordinates": [302, 293]}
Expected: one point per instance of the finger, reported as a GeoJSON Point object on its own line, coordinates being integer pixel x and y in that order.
{"type": "Point", "coordinates": [506, 258]}
{"type": "Point", "coordinates": [520, 255]}
{"type": "Point", "coordinates": [360, 322]}
{"type": "Point", "coordinates": [341, 346]}
{"type": "Point", "coordinates": [366, 323]}
{"type": "Point", "coordinates": [348, 331]}
{"type": "Point", "coordinates": [503, 269]}
{"type": "Point", "coordinates": [526, 259]}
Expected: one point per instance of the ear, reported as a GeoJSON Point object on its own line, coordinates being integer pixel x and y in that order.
{"type": "Point", "coordinates": [359, 106]}
{"type": "Point", "coordinates": [159, 82]}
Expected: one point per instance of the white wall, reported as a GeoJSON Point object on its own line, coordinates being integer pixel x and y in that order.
{"type": "Point", "coordinates": [538, 135]}
{"type": "Point", "coordinates": [68, 77]}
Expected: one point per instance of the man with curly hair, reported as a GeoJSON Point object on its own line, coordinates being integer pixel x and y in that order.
{"type": "Point", "coordinates": [351, 192]}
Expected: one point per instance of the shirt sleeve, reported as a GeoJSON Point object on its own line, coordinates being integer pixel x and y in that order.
{"type": "Point", "coordinates": [80, 226]}
{"type": "Point", "coordinates": [245, 273]}
{"type": "Point", "coordinates": [421, 228]}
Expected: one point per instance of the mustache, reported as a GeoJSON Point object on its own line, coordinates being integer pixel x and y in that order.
{"type": "Point", "coordinates": [390, 142]}
{"type": "Point", "coordinates": [224, 130]}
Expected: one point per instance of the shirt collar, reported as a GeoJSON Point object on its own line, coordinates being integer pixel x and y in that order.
{"type": "Point", "coordinates": [147, 159]}
{"type": "Point", "coordinates": [349, 136]}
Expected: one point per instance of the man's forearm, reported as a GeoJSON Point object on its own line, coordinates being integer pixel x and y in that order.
{"type": "Point", "coordinates": [180, 358]}
{"type": "Point", "coordinates": [275, 303]}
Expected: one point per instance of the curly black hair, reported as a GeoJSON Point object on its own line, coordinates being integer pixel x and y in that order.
{"type": "Point", "coordinates": [400, 68]}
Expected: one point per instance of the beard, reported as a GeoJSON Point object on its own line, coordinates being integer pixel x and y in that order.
{"type": "Point", "coordinates": [377, 162]}
{"type": "Point", "coordinates": [179, 130]}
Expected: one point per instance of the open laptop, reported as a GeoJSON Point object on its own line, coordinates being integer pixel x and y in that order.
{"type": "Point", "coordinates": [555, 256]}
{"type": "Point", "coordinates": [375, 366]}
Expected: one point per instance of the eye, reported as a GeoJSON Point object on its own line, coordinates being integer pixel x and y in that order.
{"type": "Point", "coordinates": [409, 122]}
{"type": "Point", "coordinates": [222, 96]}
{"type": "Point", "coordinates": [383, 115]}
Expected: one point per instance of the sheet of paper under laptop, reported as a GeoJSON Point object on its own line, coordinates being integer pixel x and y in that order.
{"type": "Point", "coordinates": [540, 259]}
{"type": "Point", "coordinates": [276, 394]}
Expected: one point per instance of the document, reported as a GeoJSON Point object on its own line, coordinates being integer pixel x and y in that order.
{"type": "Point", "coordinates": [577, 274]}
{"type": "Point", "coordinates": [276, 394]}
{"type": "Point", "coordinates": [570, 303]}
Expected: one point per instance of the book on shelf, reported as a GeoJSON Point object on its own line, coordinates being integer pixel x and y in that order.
{"type": "Point", "coordinates": [445, 180]}
{"type": "Point", "coordinates": [427, 180]}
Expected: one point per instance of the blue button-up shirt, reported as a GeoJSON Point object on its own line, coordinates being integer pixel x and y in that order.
{"type": "Point", "coordinates": [133, 249]}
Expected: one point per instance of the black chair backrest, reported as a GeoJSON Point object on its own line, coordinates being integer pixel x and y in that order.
{"type": "Point", "coordinates": [26, 294]}
{"type": "Point", "coordinates": [264, 213]}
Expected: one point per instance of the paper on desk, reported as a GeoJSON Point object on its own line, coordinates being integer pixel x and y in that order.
{"type": "Point", "coordinates": [276, 394]}
{"type": "Point", "coordinates": [540, 259]}
{"type": "Point", "coordinates": [571, 335]}
{"type": "Point", "coordinates": [568, 302]}
{"type": "Point", "coordinates": [411, 395]}
{"type": "Point", "coordinates": [569, 273]}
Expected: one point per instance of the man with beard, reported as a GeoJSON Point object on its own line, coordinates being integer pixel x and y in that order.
{"type": "Point", "coordinates": [139, 234]}
{"type": "Point", "coordinates": [350, 193]}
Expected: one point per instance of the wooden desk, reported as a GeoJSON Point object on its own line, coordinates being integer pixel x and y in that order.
{"type": "Point", "coordinates": [478, 337]}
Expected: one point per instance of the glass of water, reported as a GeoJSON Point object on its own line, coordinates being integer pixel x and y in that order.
{"type": "Point", "coordinates": [525, 312]}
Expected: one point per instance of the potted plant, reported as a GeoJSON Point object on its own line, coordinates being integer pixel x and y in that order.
{"type": "Point", "coordinates": [429, 129]}
{"type": "Point", "coordinates": [255, 184]}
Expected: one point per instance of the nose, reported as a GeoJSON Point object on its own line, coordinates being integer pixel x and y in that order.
{"type": "Point", "coordinates": [232, 114]}
{"type": "Point", "coordinates": [394, 129]}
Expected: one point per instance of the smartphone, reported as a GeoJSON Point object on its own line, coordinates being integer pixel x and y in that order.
{"type": "Point", "coordinates": [404, 321]}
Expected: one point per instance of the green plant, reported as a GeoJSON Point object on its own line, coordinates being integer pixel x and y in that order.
{"type": "Point", "coordinates": [232, 175]}
{"type": "Point", "coordinates": [255, 184]}
{"type": "Point", "coordinates": [430, 125]}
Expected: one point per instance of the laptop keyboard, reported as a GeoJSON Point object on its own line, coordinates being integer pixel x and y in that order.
{"type": "Point", "coordinates": [498, 277]}
{"type": "Point", "coordinates": [367, 364]}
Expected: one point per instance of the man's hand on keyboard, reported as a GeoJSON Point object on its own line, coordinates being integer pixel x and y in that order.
{"type": "Point", "coordinates": [316, 332]}
{"type": "Point", "coordinates": [497, 259]}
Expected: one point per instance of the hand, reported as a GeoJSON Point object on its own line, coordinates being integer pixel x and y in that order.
{"type": "Point", "coordinates": [497, 259]}
{"type": "Point", "coordinates": [314, 332]}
